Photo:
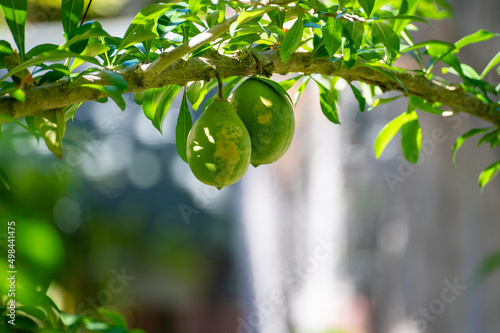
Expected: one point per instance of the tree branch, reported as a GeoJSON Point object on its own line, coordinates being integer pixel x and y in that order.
{"type": "Point", "coordinates": [59, 95]}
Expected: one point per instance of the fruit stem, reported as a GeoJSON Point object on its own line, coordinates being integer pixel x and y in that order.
{"type": "Point", "coordinates": [221, 87]}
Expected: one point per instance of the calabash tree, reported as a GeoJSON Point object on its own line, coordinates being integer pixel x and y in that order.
{"type": "Point", "coordinates": [185, 48]}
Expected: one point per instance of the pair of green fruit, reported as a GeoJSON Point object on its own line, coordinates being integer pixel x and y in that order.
{"type": "Point", "coordinates": [255, 127]}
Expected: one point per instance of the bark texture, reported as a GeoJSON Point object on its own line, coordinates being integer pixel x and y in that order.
{"type": "Point", "coordinates": [60, 94]}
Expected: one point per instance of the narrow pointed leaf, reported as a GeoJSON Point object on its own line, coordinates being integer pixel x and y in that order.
{"type": "Point", "coordinates": [327, 100]}
{"type": "Point", "coordinates": [292, 39]}
{"type": "Point", "coordinates": [184, 124]}
{"type": "Point", "coordinates": [367, 6]}
{"type": "Point", "coordinates": [387, 133]}
{"type": "Point", "coordinates": [411, 137]}
{"type": "Point", "coordinates": [383, 34]}
{"type": "Point", "coordinates": [359, 97]}
{"type": "Point", "coordinates": [71, 11]}
{"type": "Point", "coordinates": [14, 12]}
{"type": "Point", "coordinates": [493, 62]}
{"type": "Point", "coordinates": [461, 139]}
{"type": "Point", "coordinates": [478, 36]}
{"type": "Point", "coordinates": [332, 35]}
{"type": "Point", "coordinates": [300, 89]}
{"type": "Point", "coordinates": [51, 125]}
{"type": "Point", "coordinates": [488, 174]}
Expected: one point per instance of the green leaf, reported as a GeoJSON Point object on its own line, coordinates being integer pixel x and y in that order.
{"type": "Point", "coordinates": [248, 15]}
{"type": "Point", "coordinates": [332, 35]}
{"type": "Point", "coordinates": [84, 33]}
{"type": "Point", "coordinates": [411, 136]}
{"type": "Point", "coordinates": [71, 11]}
{"type": "Point", "coordinates": [4, 179]}
{"type": "Point", "coordinates": [70, 111]}
{"type": "Point", "coordinates": [156, 103]}
{"type": "Point", "coordinates": [184, 124]}
{"type": "Point", "coordinates": [488, 174]}
{"type": "Point", "coordinates": [447, 46]}
{"type": "Point", "coordinates": [292, 40]}
{"type": "Point", "coordinates": [353, 31]}
{"type": "Point", "coordinates": [170, 20]}
{"type": "Point", "coordinates": [91, 50]}
{"type": "Point", "coordinates": [54, 55]}
{"type": "Point", "coordinates": [14, 12]}
{"type": "Point", "coordinates": [387, 133]}
{"type": "Point", "coordinates": [5, 50]}
{"type": "Point", "coordinates": [195, 6]}
{"type": "Point", "coordinates": [116, 319]}
{"type": "Point", "coordinates": [423, 105]}
{"type": "Point", "coordinates": [359, 97]}
{"type": "Point", "coordinates": [367, 6]}
{"type": "Point", "coordinates": [493, 62]}
{"type": "Point", "coordinates": [488, 265]}
{"type": "Point", "coordinates": [137, 31]}
{"type": "Point", "coordinates": [110, 91]}
{"type": "Point", "coordinates": [40, 49]}
{"type": "Point", "coordinates": [478, 36]}
{"type": "Point", "coordinates": [300, 89]}
{"type": "Point", "coordinates": [382, 101]}
{"type": "Point", "coordinates": [51, 125]}
{"type": "Point", "coordinates": [328, 103]}
{"type": "Point", "coordinates": [193, 91]}
{"type": "Point", "coordinates": [404, 17]}
{"type": "Point", "coordinates": [383, 34]}
{"type": "Point", "coordinates": [385, 69]}
{"type": "Point", "coordinates": [138, 97]}
{"type": "Point", "coordinates": [117, 80]}
{"type": "Point", "coordinates": [33, 312]}
{"type": "Point", "coordinates": [461, 139]}
{"type": "Point", "coordinates": [287, 84]}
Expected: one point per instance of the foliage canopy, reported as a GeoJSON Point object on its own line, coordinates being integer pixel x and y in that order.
{"type": "Point", "coordinates": [168, 46]}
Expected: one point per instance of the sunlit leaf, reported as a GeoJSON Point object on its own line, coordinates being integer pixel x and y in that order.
{"type": "Point", "coordinates": [300, 89]}
{"type": "Point", "coordinates": [71, 11]}
{"type": "Point", "coordinates": [488, 174]}
{"type": "Point", "coordinates": [53, 55]}
{"type": "Point", "coordinates": [287, 84]}
{"type": "Point", "coordinates": [292, 39]}
{"type": "Point", "coordinates": [51, 125]}
{"type": "Point", "coordinates": [157, 101]}
{"type": "Point", "coordinates": [478, 36]}
{"type": "Point", "coordinates": [359, 97]}
{"type": "Point", "coordinates": [332, 35]}
{"type": "Point", "coordinates": [383, 34]}
{"type": "Point", "coordinates": [14, 12]}
{"type": "Point", "coordinates": [411, 136]}
{"type": "Point", "coordinates": [367, 6]}
{"type": "Point", "coordinates": [493, 62]}
{"type": "Point", "coordinates": [328, 103]}
{"type": "Point", "coordinates": [387, 133]}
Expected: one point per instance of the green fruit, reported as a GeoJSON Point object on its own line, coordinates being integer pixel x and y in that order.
{"type": "Point", "coordinates": [218, 146]}
{"type": "Point", "coordinates": [268, 116]}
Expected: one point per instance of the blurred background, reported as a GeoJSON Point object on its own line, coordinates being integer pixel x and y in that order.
{"type": "Point", "coordinates": [327, 239]}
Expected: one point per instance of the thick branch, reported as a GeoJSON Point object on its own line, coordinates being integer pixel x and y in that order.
{"type": "Point", "coordinates": [59, 95]}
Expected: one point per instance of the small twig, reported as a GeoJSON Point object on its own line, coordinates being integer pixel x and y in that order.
{"type": "Point", "coordinates": [219, 83]}
{"type": "Point", "coordinates": [86, 12]}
